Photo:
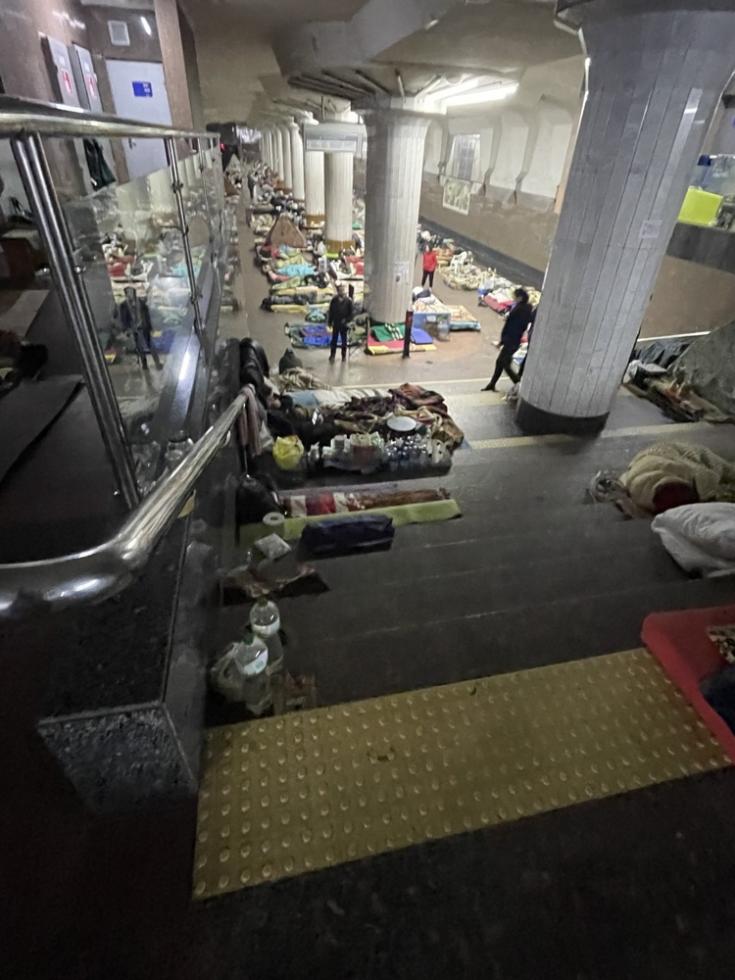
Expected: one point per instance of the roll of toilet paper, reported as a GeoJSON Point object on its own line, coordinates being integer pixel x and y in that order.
{"type": "Point", "coordinates": [274, 522]}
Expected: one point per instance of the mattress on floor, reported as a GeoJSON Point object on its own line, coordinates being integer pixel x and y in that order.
{"type": "Point", "coordinates": [420, 341]}
{"type": "Point", "coordinates": [680, 643]}
{"type": "Point", "coordinates": [460, 318]}
{"type": "Point", "coordinates": [309, 334]}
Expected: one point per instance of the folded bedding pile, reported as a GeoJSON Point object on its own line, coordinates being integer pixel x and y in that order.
{"type": "Point", "coordinates": [496, 293]}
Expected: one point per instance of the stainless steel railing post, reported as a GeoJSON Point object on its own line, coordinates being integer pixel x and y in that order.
{"type": "Point", "coordinates": [30, 158]}
{"type": "Point", "coordinates": [177, 187]}
{"type": "Point", "coordinates": [210, 216]}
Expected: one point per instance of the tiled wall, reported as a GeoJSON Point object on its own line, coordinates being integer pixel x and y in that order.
{"type": "Point", "coordinates": [655, 80]}
{"type": "Point", "coordinates": [23, 68]}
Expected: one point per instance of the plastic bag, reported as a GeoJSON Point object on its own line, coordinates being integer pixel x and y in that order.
{"type": "Point", "coordinates": [288, 361]}
{"type": "Point", "coordinates": [288, 452]}
{"type": "Point", "coordinates": [253, 501]}
{"type": "Point", "coordinates": [240, 676]}
{"type": "Point", "coordinates": [225, 676]}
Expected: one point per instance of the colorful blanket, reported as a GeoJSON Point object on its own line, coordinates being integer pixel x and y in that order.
{"type": "Point", "coordinates": [319, 502]}
{"type": "Point", "coordinates": [388, 339]}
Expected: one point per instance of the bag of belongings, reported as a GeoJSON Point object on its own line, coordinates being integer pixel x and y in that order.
{"type": "Point", "coordinates": [340, 536]}
{"type": "Point", "coordinates": [288, 451]}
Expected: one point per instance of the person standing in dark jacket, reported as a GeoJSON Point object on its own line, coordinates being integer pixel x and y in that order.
{"type": "Point", "coordinates": [531, 325]}
{"type": "Point", "coordinates": [136, 319]}
{"type": "Point", "coordinates": [516, 323]}
{"type": "Point", "coordinates": [341, 312]}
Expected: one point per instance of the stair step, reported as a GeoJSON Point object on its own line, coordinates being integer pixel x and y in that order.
{"type": "Point", "coordinates": [418, 556]}
{"type": "Point", "coordinates": [487, 523]}
{"type": "Point", "coordinates": [376, 607]}
{"type": "Point", "coordinates": [420, 654]}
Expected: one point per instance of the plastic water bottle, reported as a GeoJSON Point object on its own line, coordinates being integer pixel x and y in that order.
{"type": "Point", "coordinates": [252, 664]}
{"type": "Point", "coordinates": [265, 622]}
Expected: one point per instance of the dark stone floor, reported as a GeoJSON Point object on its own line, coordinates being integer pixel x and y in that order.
{"type": "Point", "coordinates": [637, 887]}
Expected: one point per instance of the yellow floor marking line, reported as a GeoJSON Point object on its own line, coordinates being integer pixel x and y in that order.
{"type": "Point", "coordinates": [424, 383]}
{"type": "Point", "coordinates": [672, 429]}
{"type": "Point", "coordinates": [477, 398]}
{"type": "Point", "coordinates": [292, 794]}
{"type": "Point", "coordinates": [508, 442]}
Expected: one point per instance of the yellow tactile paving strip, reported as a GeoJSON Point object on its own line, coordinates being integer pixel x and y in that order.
{"type": "Point", "coordinates": [671, 429]}
{"type": "Point", "coordinates": [299, 792]}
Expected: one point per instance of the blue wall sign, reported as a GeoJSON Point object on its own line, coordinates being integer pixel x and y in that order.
{"type": "Point", "coordinates": [143, 90]}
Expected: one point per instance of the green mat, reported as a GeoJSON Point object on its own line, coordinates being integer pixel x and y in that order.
{"type": "Point", "coordinates": [389, 331]}
{"type": "Point", "coordinates": [422, 513]}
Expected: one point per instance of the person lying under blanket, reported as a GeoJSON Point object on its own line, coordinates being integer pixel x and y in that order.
{"type": "Point", "coordinates": [670, 474]}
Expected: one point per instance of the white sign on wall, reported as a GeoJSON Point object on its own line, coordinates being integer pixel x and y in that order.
{"type": "Point", "coordinates": [402, 272]}
{"type": "Point", "coordinates": [457, 195]}
{"type": "Point", "coordinates": [334, 137]}
{"type": "Point", "coordinates": [331, 145]}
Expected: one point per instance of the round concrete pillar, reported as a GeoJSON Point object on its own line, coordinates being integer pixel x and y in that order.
{"type": "Point", "coordinates": [656, 74]}
{"type": "Point", "coordinates": [338, 177]}
{"type": "Point", "coordinates": [277, 151]}
{"type": "Point", "coordinates": [287, 173]}
{"type": "Point", "coordinates": [395, 158]}
{"type": "Point", "coordinates": [297, 162]}
{"type": "Point", "coordinates": [314, 186]}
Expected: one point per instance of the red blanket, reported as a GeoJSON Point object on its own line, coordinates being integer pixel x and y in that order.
{"type": "Point", "coordinates": [680, 643]}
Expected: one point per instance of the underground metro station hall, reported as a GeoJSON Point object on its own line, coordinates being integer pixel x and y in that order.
{"type": "Point", "coordinates": [367, 489]}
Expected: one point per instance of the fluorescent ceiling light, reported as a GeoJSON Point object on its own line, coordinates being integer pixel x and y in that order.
{"type": "Point", "coordinates": [449, 91]}
{"type": "Point", "coordinates": [495, 94]}
{"type": "Point", "coordinates": [431, 23]}
{"type": "Point", "coordinates": [146, 26]}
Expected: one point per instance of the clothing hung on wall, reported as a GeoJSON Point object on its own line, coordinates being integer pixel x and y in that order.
{"type": "Point", "coordinates": [99, 172]}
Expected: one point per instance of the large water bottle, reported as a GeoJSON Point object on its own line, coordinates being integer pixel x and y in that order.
{"type": "Point", "coordinates": [252, 661]}
{"type": "Point", "coordinates": [265, 622]}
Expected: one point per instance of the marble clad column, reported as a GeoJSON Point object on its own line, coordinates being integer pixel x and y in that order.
{"type": "Point", "coordinates": [277, 151]}
{"type": "Point", "coordinates": [314, 186]}
{"type": "Point", "coordinates": [395, 160]}
{"type": "Point", "coordinates": [338, 180]}
{"type": "Point", "coordinates": [266, 153]}
{"type": "Point", "coordinates": [297, 162]}
{"type": "Point", "coordinates": [281, 153]}
{"type": "Point", "coordinates": [655, 78]}
{"type": "Point", "coordinates": [287, 174]}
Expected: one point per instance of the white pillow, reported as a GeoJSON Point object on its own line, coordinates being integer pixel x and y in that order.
{"type": "Point", "coordinates": [699, 537]}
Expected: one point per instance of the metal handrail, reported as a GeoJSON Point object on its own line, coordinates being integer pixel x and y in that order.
{"type": "Point", "coordinates": [19, 116]}
{"type": "Point", "coordinates": [98, 573]}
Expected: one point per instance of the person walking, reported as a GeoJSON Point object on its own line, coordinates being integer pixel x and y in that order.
{"type": "Point", "coordinates": [429, 267]}
{"type": "Point", "coordinates": [341, 311]}
{"type": "Point", "coordinates": [529, 332]}
{"type": "Point", "coordinates": [516, 323]}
